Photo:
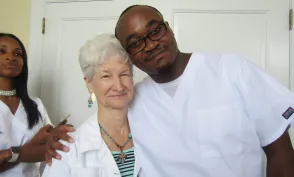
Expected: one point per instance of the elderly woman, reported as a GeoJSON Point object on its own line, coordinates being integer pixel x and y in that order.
{"type": "Point", "coordinates": [108, 152]}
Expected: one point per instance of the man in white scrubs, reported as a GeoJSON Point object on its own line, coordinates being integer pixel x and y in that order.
{"type": "Point", "coordinates": [198, 114]}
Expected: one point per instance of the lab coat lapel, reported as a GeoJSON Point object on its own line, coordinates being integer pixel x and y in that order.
{"type": "Point", "coordinates": [137, 168]}
{"type": "Point", "coordinates": [108, 159]}
{"type": "Point", "coordinates": [92, 144]}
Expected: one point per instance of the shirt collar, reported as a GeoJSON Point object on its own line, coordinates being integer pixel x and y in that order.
{"type": "Point", "coordinates": [88, 135]}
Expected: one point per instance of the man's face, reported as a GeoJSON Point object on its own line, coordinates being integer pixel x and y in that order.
{"type": "Point", "coordinates": [148, 39]}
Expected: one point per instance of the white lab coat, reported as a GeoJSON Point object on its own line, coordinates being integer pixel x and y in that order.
{"type": "Point", "coordinates": [223, 111]}
{"type": "Point", "coordinates": [14, 132]}
{"type": "Point", "coordinates": [89, 156]}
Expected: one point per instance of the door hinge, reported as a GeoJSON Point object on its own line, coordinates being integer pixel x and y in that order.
{"type": "Point", "coordinates": [43, 25]}
{"type": "Point", "coordinates": [291, 19]}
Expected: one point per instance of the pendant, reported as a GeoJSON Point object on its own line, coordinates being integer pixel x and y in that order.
{"type": "Point", "coordinates": [122, 157]}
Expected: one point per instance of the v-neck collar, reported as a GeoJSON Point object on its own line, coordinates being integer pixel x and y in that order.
{"type": "Point", "coordinates": [183, 84]}
{"type": "Point", "coordinates": [176, 103]}
{"type": "Point", "coordinates": [15, 122]}
{"type": "Point", "coordinates": [6, 108]}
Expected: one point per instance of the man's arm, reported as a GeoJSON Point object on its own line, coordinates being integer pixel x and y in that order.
{"type": "Point", "coordinates": [280, 157]}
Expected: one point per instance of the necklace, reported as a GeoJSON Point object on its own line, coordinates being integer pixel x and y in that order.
{"type": "Point", "coordinates": [7, 93]}
{"type": "Point", "coordinates": [122, 156]}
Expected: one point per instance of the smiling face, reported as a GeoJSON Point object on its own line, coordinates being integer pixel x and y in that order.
{"type": "Point", "coordinates": [11, 57]}
{"type": "Point", "coordinates": [148, 39]}
{"type": "Point", "coordinates": [112, 83]}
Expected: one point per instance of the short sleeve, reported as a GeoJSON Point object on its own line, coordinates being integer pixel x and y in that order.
{"type": "Point", "coordinates": [268, 103]}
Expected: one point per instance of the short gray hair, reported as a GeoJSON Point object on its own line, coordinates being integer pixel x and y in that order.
{"type": "Point", "coordinates": [98, 50]}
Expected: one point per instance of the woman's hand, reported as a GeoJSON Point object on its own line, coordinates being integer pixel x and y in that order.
{"type": "Point", "coordinates": [5, 155]}
{"type": "Point", "coordinates": [34, 150]}
{"type": "Point", "coordinates": [41, 137]}
{"type": "Point", "coordinates": [53, 144]}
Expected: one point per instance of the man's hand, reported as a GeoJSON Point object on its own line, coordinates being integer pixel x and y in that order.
{"type": "Point", "coordinates": [53, 144]}
{"type": "Point", "coordinates": [41, 137]}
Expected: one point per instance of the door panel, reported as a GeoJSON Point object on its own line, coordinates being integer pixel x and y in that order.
{"type": "Point", "coordinates": [226, 31]}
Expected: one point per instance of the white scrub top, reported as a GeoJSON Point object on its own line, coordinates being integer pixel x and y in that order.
{"type": "Point", "coordinates": [224, 110]}
{"type": "Point", "coordinates": [89, 155]}
{"type": "Point", "coordinates": [14, 132]}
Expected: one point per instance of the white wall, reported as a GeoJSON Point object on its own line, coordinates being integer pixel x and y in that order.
{"type": "Point", "coordinates": [15, 18]}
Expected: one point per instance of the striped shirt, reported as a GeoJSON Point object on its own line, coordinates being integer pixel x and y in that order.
{"type": "Point", "coordinates": [127, 168]}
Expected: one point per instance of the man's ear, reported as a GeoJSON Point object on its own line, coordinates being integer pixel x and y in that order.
{"type": "Point", "coordinates": [169, 29]}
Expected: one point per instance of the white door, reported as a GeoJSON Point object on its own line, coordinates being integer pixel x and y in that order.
{"type": "Point", "coordinates": [257, 29]}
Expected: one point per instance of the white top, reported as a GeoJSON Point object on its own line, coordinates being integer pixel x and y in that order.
{"type": "Point", "coordinates": [89, 155]}
{"type": "Point", "coordinates": [224, 110]}
{"type": "Point", "coordinates": [14, 132]}
{"type": "Point", "coordinates": [170, 87]}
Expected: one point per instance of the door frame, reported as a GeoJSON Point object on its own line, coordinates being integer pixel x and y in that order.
{"type": "Point", "coordinates": [291, 131]}
{"type": "Point", "coordinates": [292, 52]}
{"type": "Point", "coordinates": [36, 41]}
{"type": "Point", "coordinates": [35, 45]}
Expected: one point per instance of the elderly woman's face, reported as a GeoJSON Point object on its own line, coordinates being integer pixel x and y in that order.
{"type": "Point", "coordinates": [112, 83]}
